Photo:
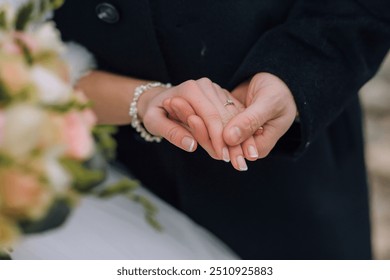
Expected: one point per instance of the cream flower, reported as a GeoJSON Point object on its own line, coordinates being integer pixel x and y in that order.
{"type": "Point", "coordinates": [23, 195]}
{"type": "Point", "coordinates": [58, 177]}
{"type": "Point", "coordinates": [49, 38]}
{"type": "Point", "coordinates": [22, 129]}
{"type": "Point", "coordinates": [50, 88]}
{"type": "Point", "coordinates": [9, 8]}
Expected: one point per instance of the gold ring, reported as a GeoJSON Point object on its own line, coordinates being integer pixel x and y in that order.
{"type": "Point", "coordinates": [228, 102]}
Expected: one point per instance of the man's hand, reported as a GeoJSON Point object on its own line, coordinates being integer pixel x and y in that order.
{"type": "Point", "coordinates": [270, 111]}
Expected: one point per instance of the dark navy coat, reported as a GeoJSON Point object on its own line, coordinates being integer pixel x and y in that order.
{"type": "Point", "coordinates": [308, 199]}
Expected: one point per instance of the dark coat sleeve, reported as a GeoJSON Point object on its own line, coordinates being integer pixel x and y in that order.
{"type": "Point", "coordinates": [324, 52]}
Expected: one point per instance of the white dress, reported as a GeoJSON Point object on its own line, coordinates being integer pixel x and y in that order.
{"type": "Point", "coordinates": [115, 228]}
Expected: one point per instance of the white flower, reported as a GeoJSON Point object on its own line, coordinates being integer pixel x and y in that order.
{"type": "Point", "coordinates": [22, 129]}
{"type": "Point", "coordinates": [51, 89]}
{"type": "Point", "coordinates": [49, 38]}
{"type": "Point", "coordinates": [58, 177]}
{"type": "Point", "coordinates": [13, 3]}
{"type": "Point", "coordinates": [79, 59]}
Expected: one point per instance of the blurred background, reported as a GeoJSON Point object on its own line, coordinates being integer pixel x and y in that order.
{"type": "Point", "coordinates": [375, 97]}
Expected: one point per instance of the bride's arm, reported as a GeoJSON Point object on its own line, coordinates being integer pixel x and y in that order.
{"type": "Point", "coordinates": [111, 95]}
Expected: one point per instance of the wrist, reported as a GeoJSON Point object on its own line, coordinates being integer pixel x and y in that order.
{"type": "Point", "coordinates": [136, 122]}
{"type": "Point", "coordinates": [145, 99]}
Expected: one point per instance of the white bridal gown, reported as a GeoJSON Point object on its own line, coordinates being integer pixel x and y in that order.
{"type": "Point", "coordinates": [115, 228]}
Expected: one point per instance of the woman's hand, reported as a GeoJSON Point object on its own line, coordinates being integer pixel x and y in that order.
{"type": "Point", "coordinates": [111, 96]}
{"type": "Point", "coordinates": [270, 111]}
{"type": "Point", "coordinates": [201, 108]}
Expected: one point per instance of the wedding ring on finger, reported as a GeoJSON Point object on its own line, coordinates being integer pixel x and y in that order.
{"type": "Point", "coordinates": [228, 102]}
{"type": "Point", "coordinates": [259, 131]}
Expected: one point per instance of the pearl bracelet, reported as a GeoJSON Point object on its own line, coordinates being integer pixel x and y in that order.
{"type": "Point", "coordinates": [135, 122]}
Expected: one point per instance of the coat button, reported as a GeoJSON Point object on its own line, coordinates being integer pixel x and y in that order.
{"type": "Point", "coordinates": [107, 13]}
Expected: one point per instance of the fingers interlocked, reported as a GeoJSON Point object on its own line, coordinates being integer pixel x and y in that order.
{"type": "Point", "coordinates": [205, 113]}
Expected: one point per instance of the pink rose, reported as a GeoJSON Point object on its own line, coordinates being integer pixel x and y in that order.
{"type": "Point", "coordinates": [9, 47]}
{"type": "Point", "coordinates": [14, 74]}
{"type": "Point", "coordinates": [89, 118]}
{"type": "Point", "coordinates": [77, 135]}
{"type": "Point", "coordinates": [88, 115]}
{"type": "Point", "coordinates": [22, 194]}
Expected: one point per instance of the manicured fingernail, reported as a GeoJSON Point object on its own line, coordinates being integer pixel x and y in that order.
{"type": "Point", "coordinates": [241, 163]}
{"type": "Point", "coordinates": [188, 143]}
{"type": "Point", "coordinates": [235, 133]}
{"type": "Point", "coordinates": [225, 154]}
{"type": "Point", "coordinates": [252, 152]}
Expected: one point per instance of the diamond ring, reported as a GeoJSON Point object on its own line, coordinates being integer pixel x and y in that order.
{"type": "Point", "coordinates": [228, 102]}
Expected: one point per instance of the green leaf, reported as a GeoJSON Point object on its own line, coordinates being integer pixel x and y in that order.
{"type": "Point", "coordinates": [4, 256]}
{"type": "Point", "coordinates": [43, 7]}
{"type": "Point", "coordinates": [151, 219]}
{"type": "Point", "coordinates": [3, 20]}
{"type": "Point", "coordinates": [105, 140]}
{"type": "Point", "coordinates": [71, 105]}
{"type": "Point", "coordinates": [83, 178]}
{"type": "Point", "coordinates": [4, 96]}
{"type": "Point", "coordinates": [5, 160]}
{"type": "Point", "coordinates": [55, 4]}
{"type": "Point", "coordinates": [34, 10]}
{"type": "Point", "coordinates": [24, 16]}
{"type": "Point", "coordinates": [123, 186]}
{"type": "Point", "coordinates": [149, 208]}
{"type": "Point", "coordinates": [26, 52]}
{"type": "Point", "coordinates": [127, 187]}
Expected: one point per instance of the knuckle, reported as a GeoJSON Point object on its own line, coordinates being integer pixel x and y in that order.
{"type": "Point", "coordinates": [205, 80]}
{"type": "Point", "coordinates": [189, 86]}
{"type": "Point", "coordinates": [175, 101]}
{"type": "Point", "coordinates": [251, 123]}
{"type": "Point", "coordinates": [172, 134]}
{"type": "Point", "coordinates": [213, 117]}
{"type": "Point", "coordinates": [218, 87]}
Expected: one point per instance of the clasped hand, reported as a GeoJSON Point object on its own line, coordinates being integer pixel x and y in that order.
{"type": "Point", "coordinates": [238, 126]}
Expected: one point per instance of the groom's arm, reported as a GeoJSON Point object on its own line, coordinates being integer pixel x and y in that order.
{"type": "Point", "coordinates": [324, 53]}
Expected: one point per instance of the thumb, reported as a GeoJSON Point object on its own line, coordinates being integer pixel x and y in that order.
{"type": "Point", "coordinates": [244, 125]}
{"type": "Point", "coordinates": [252, 122]}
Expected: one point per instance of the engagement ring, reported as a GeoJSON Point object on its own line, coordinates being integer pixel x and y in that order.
{"type": "Point", "coordinates": [228, 102]}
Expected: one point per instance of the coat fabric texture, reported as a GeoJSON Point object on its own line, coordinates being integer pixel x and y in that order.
{"type": "Point", "coordinates": [309, 198]}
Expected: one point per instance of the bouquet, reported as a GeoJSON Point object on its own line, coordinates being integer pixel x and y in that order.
{"type": "Point", "coordinates": [49, 140]}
